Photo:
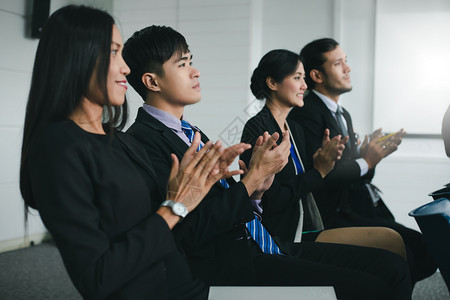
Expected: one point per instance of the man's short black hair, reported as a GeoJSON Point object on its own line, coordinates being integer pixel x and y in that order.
{"type": "Point", "coordinates": [312, 57]}
{"type": "Point", "coordinates": [148, 49]}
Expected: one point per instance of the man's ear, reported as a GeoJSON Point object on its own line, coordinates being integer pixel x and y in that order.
{"type": "Point", "coordinates": [150, 82]}
{"type": "Point", "coordinates": [316, 76]}
{"type": "Point", "coordinates": [271, 83]}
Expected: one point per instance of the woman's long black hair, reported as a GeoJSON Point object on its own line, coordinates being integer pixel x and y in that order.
{"type": "Point", "coordinates": [75, 41]}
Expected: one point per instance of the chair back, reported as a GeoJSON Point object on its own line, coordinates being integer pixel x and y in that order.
{"type": "Point", "coordinates": [441, 193]}
{"type": "Point", "coordinates": [434, 222]}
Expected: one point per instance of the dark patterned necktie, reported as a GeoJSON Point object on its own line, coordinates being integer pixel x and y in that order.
{"type": "Point", "coordinates": [340, 121]}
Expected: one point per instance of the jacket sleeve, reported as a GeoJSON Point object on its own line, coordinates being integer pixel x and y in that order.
{"type": "Point", "coordinates": [221, 209]}
{"type": "Point", "coordinates": [63, 186]}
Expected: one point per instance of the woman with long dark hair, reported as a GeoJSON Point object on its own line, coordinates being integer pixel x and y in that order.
{"type": "Point", "coordinates": [92, 184]}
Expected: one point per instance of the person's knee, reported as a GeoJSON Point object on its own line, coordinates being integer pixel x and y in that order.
{"type": "Point", "coordinates": [392, 235]}
{"type": "Point", "coordinates": [392, 240]}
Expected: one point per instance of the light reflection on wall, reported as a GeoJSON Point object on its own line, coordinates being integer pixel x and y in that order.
{"type": "Point", "coordinates": [412, 65]}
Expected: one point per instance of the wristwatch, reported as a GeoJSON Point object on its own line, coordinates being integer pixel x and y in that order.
{"type": "Point", "coordinates": [177, 208]}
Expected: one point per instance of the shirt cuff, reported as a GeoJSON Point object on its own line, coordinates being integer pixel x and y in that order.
{"type": "Point", "coordinates": [257, 205]}
{"type": "Point", "coordinates": [363, 166]}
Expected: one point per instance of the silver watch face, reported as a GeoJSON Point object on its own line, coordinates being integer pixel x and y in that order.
{"type": "Point", "coordinates": [179, 209]}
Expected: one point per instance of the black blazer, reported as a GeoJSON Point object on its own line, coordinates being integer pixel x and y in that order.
{"type": "Point", "coordinates": [281, 209]}
{"type": "Point", "coordinates": [93, 194]}
{"type": "Point", "coordinates": [213, 236]}
{"type": "Point", "coordinates": [344, 180]}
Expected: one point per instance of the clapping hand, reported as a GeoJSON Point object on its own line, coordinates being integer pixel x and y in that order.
{"type": "Point", "coordinates": [228, 156]}
{"type": "Point", "coordinates": [190, 180]}
{"type": "Point", "coordinates": [325, 157]}
{"type": "Point", "coordinates": [391, 142]}
{"type": "Point", "coordinates": [376, 148]}
{"type": "Point", "coordinates": [265, 185]}
{"type": "Point", "coordinates": [267, 159]}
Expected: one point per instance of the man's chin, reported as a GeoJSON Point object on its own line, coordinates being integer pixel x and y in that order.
{"type": "Point", "coordinates": [193, 101]}
{"type": "Point", "coordinates": [346, 89]}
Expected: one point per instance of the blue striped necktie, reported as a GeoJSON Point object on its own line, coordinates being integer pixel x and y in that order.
{"type": "Point", "coordinates": [262, 237]}
{"type": "Point", "coordinates": [255, 227]}
{"type": "Point", "coordinates": [187, 129]}
{"type": "Point", "coordinates": [189, 132]}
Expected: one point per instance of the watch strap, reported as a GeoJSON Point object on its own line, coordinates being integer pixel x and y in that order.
{"type": "Point", "coordinates": [172, 204]}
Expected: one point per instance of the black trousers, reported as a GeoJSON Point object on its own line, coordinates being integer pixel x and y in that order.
{"type": "Point", "coordinates": [420, 260]}
{"type": "Point", "coordinates": [354, 272]}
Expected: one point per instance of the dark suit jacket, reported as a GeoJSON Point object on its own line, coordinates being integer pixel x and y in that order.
{"type": "Point", "coordinates": [93, 194]}
{"type": "Point", "coordinates": [343, 183]}
{"type": "Point", "coordinates": [213, 236]}
{"type": "Point", "coordinates": [281, 211]}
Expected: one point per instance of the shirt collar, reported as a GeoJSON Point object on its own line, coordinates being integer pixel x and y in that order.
{"type": "Point", "coordinates": [332, 106]}
{"type": "Point", "coordinates": [164, 117]}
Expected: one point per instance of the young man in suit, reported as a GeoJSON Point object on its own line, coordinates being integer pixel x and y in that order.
{"type": "Point", "coordinates": [349, 198]}
{"type": "Point", "coordinates": [218, 238]}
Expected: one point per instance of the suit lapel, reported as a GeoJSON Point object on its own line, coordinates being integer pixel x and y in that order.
{"type": "Point", "coordinates": [299, 140]}
{"type": "Point", "coordinates": [348, 119]}
{"type": "Point", "coordinates": [178, 146]}
{"type": "Point", "coordinates": [205, 139]}
{"type": "Point", "coordinates": [330, 121]}
{"type": "Point", "coordinates": [332, 124]}
{"type": "Point", "coordinates": [272, 126]}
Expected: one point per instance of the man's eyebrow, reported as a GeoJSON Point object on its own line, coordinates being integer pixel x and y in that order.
{"type": "Point", "coordinates": [184, 58]}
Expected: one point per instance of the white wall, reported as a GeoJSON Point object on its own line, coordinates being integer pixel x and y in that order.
{"type": "Point", "coordinates": [227, 39]}
{"type": "Point", "coordinates": [419, 31]}
{"type": "Point", "coordinates": [17, 54]}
